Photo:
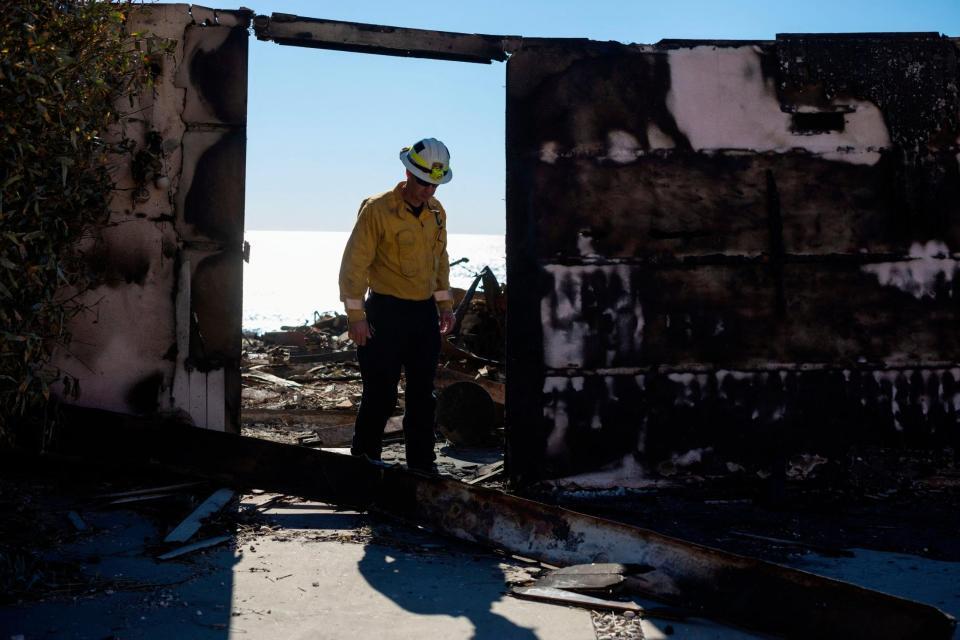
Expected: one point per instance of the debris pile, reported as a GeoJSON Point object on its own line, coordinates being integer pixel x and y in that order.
{"type": "Point", "coordinates": [45, 534]}
{"type": "Point", "coordinates": [308, 367]}
{"type": "Point", "coordinates": [301, 385]}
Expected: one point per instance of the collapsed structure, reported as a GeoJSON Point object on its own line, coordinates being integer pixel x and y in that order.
{"type": "Point", "coordinates": [726, 251]}
{"type": "Point", "coordinates": [718, 252]}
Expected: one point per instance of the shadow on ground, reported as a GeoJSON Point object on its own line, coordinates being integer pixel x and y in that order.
{"type": "Point", "coordinates": [442, 585]}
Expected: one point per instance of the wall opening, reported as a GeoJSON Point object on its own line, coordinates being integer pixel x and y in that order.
{"type": "Point", "coordinates": [324, 131]}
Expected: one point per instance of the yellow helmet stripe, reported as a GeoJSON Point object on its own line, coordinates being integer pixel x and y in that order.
{"type": "Point", "coordinates": [418, 160]}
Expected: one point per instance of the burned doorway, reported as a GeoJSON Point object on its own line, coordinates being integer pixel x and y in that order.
{"type": "Point", "coordinates": [353, 114]}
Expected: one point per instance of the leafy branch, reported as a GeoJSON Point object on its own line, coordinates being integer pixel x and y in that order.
{"type": "Point", "coordinates": [65, 69]}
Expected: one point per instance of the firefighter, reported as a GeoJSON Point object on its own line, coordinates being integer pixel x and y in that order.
{"type": "Point", "coordinates": [394, 283]}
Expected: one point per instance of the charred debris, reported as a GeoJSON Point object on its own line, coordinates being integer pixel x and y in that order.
{"type": "Point", "coordinates": [301, 385]}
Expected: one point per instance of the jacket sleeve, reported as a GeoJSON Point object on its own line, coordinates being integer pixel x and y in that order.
{"type": "Point", "coordinates": [355, 265]}
{"type": "Point", "coordinates": [441, 290]}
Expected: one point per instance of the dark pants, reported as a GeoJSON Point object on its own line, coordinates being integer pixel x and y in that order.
{"type": "Point", "coordinates": [405, 334]}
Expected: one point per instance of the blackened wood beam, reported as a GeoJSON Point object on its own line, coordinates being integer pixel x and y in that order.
{"type": "Point", "coordinates": [298, 31]}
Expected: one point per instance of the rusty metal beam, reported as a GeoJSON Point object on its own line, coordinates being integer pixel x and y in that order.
{"type": "Point", "coordinates": [718, 584]}
{"type": "Point", "coordinates": [714, 583]}
{"type": "Point", "coordinates": [298, 31]}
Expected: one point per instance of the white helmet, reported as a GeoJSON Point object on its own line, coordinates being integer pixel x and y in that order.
{"type": "Point", "coordinates": [428, 160]}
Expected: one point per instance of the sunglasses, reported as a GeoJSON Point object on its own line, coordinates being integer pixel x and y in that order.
{"type": "Point", "coordinates": [423, 183]}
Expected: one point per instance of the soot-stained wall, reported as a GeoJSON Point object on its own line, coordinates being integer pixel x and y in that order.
{"type": "Point", "coordinates": [728, 253]}
{"type": "Point", "coordinates": [162, 335]}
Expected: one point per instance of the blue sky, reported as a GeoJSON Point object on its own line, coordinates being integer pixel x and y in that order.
{"type": "Point", "coordinates": [325, 127]}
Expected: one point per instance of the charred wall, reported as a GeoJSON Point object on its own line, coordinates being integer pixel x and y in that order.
{"type": "Point", "coordinates": [163, 331]}
{"type": "Point", "coordinates": [730, 250]}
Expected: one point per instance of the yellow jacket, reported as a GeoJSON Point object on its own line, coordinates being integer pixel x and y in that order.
{"type": "Point", "coordinates": [393, 252]}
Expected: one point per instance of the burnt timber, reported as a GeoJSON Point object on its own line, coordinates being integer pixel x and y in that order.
{"type": "Point", "coordinates": [298, 31]}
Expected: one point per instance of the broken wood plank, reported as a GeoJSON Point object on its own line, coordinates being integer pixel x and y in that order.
{"type": "Point", "coordinates": [559, 596]}
{"type": "Point", "coordinates": [144, 498]}
{"type": "Point", "coordinates": [602, 582]}
{"type": "Point", "coordinates": [310, 440]}
{"type": "Point", "coordinates": [191, 524]}
{"type": "Point", "coordinates": [607, 577]}
{"type": "Point", "coordinates": [710, 582]}
{"type": "Point", "coordinates": [284, 370]}
{"type": "Point", "coordinates": [150, 490]}
{"type": "Point", "coordinates": [331, 356]}
{"type": "Point", "coordinates": [490, 468]}
{"type": "Point", "coordinates": [77, 521]}
{"type": "Point", "coordinates": [487, 472]}
{"type": "Point", "coordinates": [313, 417]}
{"type": "Point", "coordinates": [298, 31]}
{"type": "Point", "coordinates": [195, 546]}
{"type": "Point", "coordinates": [601, 568]}
{"type": "Point", "coordinates": [272, 379]}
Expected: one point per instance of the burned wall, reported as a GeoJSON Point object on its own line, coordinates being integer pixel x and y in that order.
{"type": "Point", "coordinates": [730, 252]}
{"type": "Point", "coordinates": [162, 334]}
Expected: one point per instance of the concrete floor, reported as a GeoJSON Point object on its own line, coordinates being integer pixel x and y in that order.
{"type": "Point", "coordinates": [320, 574]}
{"type": "Point", "coordinates": [382, 581]}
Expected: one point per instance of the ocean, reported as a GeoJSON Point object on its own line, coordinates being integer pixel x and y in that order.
{"type": "Point", "coordinates": [292, 274]}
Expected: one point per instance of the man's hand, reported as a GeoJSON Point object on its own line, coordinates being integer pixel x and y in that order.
{"type": "Point", "coordinates": [447, 320]}
{"type": "Point", "coordinates": [359, 332]}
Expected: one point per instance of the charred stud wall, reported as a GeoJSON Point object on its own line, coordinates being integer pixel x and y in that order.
{"type": "Point", "coordinates": [162, 334]}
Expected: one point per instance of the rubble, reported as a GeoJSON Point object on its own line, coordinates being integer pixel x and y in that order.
{"type": "Point", "coordinates": [610, 625]}
{"type": "Point", "coordinates": [301, 385]}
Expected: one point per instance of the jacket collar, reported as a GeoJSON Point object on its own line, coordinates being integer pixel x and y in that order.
{"type": "Point", "coordinates": [400, 205]}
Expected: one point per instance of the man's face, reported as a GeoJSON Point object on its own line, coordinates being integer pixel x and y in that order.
{"type": "Point", "coordinates": [417, 192]}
